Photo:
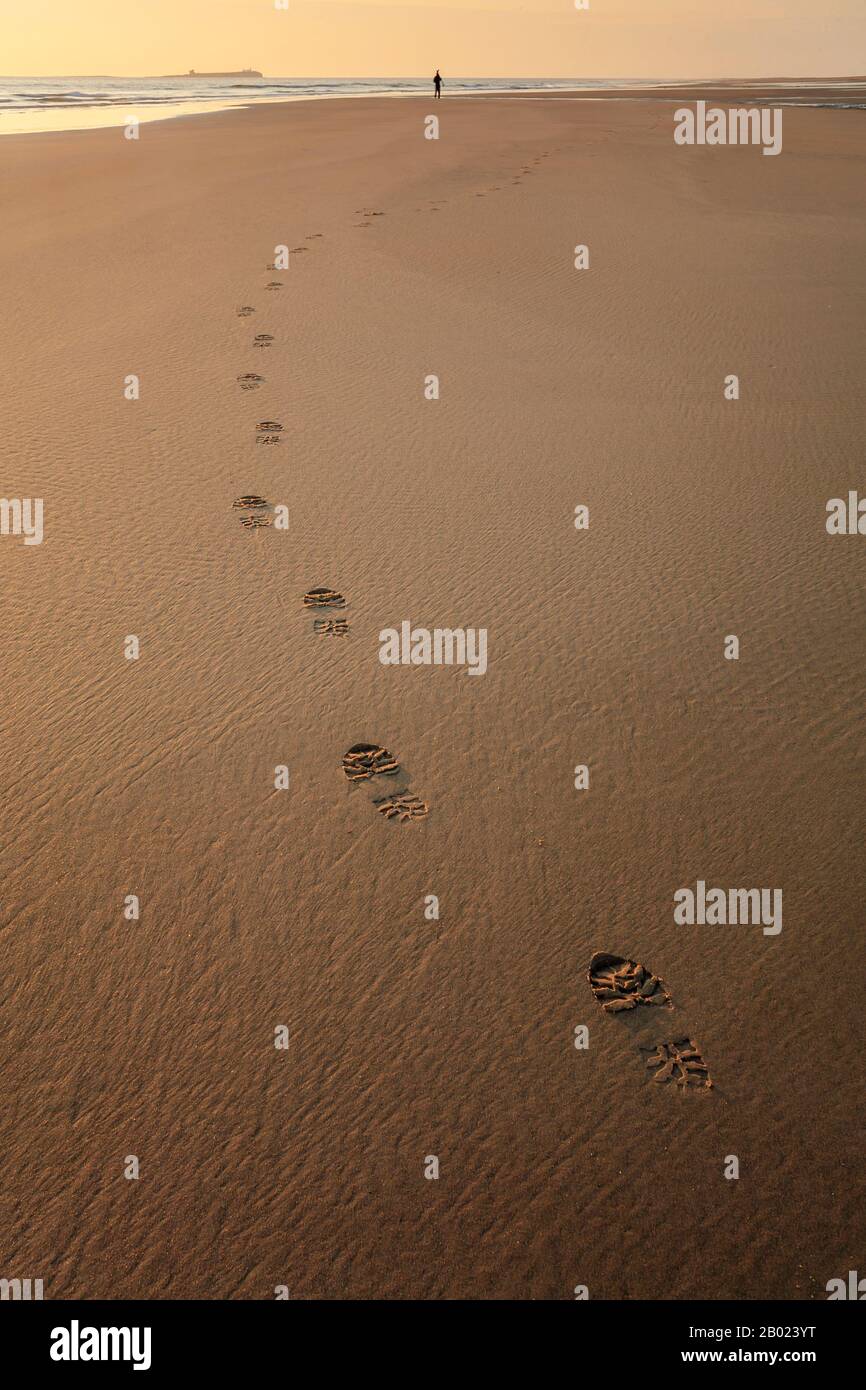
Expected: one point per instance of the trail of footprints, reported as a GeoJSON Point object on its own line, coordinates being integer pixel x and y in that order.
{"type": "Point", "coordinates": [364, 761]}
{"type": "Point", "coordinates": [366, 212]}
{"type": "Point", "coordinates": [517, 178]}
{"type": "Point", "coordinates": [625, 987]}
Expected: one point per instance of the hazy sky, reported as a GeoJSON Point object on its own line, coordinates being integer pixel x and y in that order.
{"type": "Point", "coordinates": [403, 38]}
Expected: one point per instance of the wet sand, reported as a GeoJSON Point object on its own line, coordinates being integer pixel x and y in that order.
{"type": "Point", "coordinates": [259, 908]}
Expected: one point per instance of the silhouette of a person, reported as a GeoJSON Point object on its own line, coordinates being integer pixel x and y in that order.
{"type": "Point", "coordinates": [437, 83]}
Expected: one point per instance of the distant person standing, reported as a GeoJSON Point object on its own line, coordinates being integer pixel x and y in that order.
{"type": "Point", "coordinates": [437, 83]}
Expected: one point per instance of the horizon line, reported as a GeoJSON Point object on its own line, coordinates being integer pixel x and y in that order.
{"type": "Point", "coordinates": [491, 77]}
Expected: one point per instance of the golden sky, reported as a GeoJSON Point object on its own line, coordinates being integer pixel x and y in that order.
{"type": "Point", "coordinates": [405, 38]}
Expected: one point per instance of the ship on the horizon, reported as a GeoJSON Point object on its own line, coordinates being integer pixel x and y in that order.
{"type": "Point", "coordinates": [246, 72]}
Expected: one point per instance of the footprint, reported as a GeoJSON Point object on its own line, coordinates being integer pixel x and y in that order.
{"type": "Point", "coordinates": [327, 599]}
{"type": "Point", "coordinates": [324, 598]}
{"type": "Point", "coordinates": [622, 986]}
{"type": "Point", "coordinates": [297, 249]}
{"type": "Point", "coordinates": [250, 381]}
{"type": "Point", "coordinates": [363, 762]}
{"type": "Point", "coordinates": [257, 509]}
{"type": "Point", "coordinates": [313, 235]}
{"type": "Point", "coordinates": [263, 340]}
{"type": "Point", "coordinates": [245, 310]}
{"type": "Point", "coordinates": [268, 432]}
{"type": "Point", "coordinates": [403, 807]}
{"type": "Point", "coordinates": [679, 1061]}
{"type": "Point", "coordinates": [274, 285]}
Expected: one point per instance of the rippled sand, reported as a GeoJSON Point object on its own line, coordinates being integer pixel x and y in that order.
{"type": "Point", "coordinates": [408, 1037]}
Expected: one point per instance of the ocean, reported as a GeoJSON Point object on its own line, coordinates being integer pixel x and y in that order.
{"type": "Point", "coordinates": [66, 103]}
{"type": "Point", "coordinates": [72, 103]}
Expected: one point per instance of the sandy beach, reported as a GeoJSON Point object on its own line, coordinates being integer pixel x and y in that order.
{"type": "Point", "coordinates": [262, 908]}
